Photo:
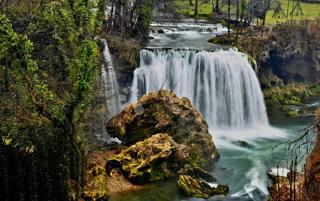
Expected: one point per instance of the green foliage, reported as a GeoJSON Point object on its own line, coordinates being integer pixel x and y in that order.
{"type": "Point", "coordinates": [287, 97]}
{"type": "Point", "coordinates": [49, 64]}
{"type": "Point", "coordinates": [144, 13]}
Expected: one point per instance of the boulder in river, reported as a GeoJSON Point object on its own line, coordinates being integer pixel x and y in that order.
{"type": "Point", "coordinates": [196, 187]}
{"type": "Point", "coordinates": [156, 158]}
{"type": "Point", "coordinates": [164, 112]}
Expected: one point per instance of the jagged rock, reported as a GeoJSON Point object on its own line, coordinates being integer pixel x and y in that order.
{"type": "Point", "coordinates": [197, 172]}
{"type": "Point", "coordinates": [164, 112]}
{"type": "Point", "coordinates": [156, 158]}
{"type": "Point", "coordinates": [289, 52]}
{"type": "Point", "coordinates": [196, 187]}
{"type": "Point", "coordinates": [243, 144]}
{"type": "Point", "coordinates": [268, 79]}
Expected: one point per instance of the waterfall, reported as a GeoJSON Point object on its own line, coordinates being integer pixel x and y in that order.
{"type": "Point", "coordinates": [221, 84]}
{"type": "Point", "coordinates": [111, 86]}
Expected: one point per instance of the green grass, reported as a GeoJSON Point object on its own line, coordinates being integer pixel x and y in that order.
{"type": "Point", "coordinates": [310, 10]}
{"type": "Point", "coordinates": [184, 8]}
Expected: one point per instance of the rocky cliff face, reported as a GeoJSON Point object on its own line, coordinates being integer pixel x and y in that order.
{"type": "Point", "coordinates": [164, 112]}
{"type": "Point", "coordinates": [289, 53]}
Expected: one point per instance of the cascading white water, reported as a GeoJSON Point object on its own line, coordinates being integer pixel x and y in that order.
{"type": "Point", "coordinates": [110, 83]}
{"type": "Point", "coordinates": [221, 84]}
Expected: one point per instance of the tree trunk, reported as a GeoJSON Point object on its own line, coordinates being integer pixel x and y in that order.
{"type": "Point", "coordinates": [7, 76]}
{"type": "Point", "coordinates": [110, 20]}
{"type": "Point", "coordinates": [196, 7]}
{"type": "Point", "coordinates": [251, 12]}
{"type": "Point", "coordinates": [237, 11]}
{"type": "Point", "coordinates": [266, 8]}
{"type": "Point", "coordinates": [212, 3]}
{"type": "Point", "coordinates": [217, 7]}
{"type": "Point", "coordinates": [190, 3]}
{"type": "Point", "coordinates": [229, 2]}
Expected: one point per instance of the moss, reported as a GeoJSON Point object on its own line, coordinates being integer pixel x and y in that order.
{"type": "Point", "coordinates": [222, 40]}
{"type": "Point", "coordinates": [164, 112]}
{"type": "Point", "coordinates": [196, 187]}
{"type": "Point", "coordinates": [96, 185]}
{"type": "Point", "coordinates": [153, 159]}
{"type": "Point", "coordinates": [293, 113]}
{"type": "Point", "coordinates": [127, 51]}
{"type": "Point", "coordinates": [286, 96]}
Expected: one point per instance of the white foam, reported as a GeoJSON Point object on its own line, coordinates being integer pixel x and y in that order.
{"type": "Point", "coordinates": [249, 134]}
{"type": "Point", "coordinates": [258, 180]}
{"type": "Point", "coordinates": [212, 185]}
{"type": "Point", "coordinates": [282, 172]}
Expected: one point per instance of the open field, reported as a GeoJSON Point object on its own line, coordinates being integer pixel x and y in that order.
{"type": "Point", "coordinates": [310, 10]}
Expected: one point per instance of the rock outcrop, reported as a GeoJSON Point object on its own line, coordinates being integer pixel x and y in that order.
{"type": "Point", "coordinates": [196, 187]}
{"type": "Point", "coordinates": [288, 54]}
{"type": "Point", "coordinates": [164, 112]}
{"type": "Point", "coordinates": [156, 158]}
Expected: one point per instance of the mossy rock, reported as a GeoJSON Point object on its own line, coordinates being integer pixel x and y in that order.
{"type": "Point", "coordinates": [95, 188]}
{"type": "Point", "coordinates": [195, 187]}
{"type": "Point", "coordinates": [164, 112]}
{"type": "Point", "coordinates": [156, 158]}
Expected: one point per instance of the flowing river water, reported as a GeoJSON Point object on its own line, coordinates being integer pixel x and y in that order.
{"type": "Point", "coordinates": [223, 85]}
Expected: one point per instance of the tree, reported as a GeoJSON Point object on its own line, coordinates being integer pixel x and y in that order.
{"type": "Point", "coordinates": [131, 17]}
{"type": "Point", "coordinates": [50, 57]}
{"type": "Point", "coordinates": [229, 5]}
{"type": "Point", "coordinates": [196, 4]}
{"type": "Point", "coordinates": [217, 7]}
{"type": "Point", "coordinates": [144, 10]}
{"type": "Point", "coordinates": [237, 11]}
{"type": "Point", "coordinates": [278, 12]}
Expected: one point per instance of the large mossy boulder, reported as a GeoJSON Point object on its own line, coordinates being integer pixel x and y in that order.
{"type": "Point", "coordinates": [164, 112]}
{"type": "Point", "coordinates": [156, 158]}
{"type": "Point", "coordinates": [194, 186]}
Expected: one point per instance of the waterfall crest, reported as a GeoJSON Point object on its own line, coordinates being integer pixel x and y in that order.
{"type": "Point", "coordinates": [110, 82]}
{"type": "Point", "coordinates": [221, 84]}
